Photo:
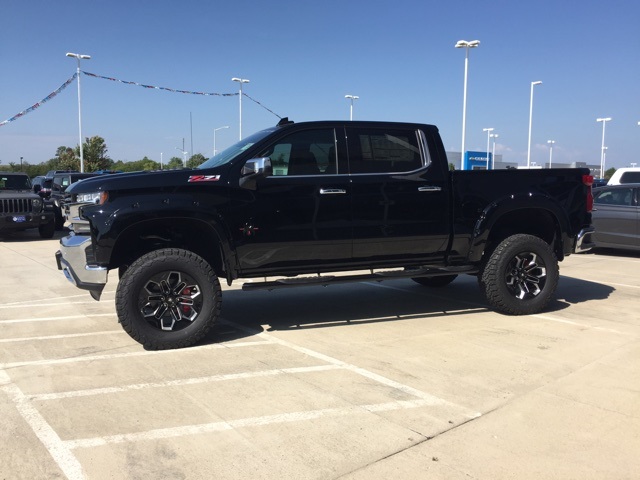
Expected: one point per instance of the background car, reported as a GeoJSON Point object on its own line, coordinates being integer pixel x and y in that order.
{"type": "Point", "coordinates": [615, 216]}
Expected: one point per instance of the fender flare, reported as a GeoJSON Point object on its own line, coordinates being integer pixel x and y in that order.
{"type": "Point", "coordinates": [496, 210]}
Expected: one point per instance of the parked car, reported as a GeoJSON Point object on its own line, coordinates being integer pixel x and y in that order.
{"type": "Point", "coordinates": [20, 208]}
{"type": "Point", "coordinates": [625, 175]}
{"type": "Point", "coordinates": [615, 216]}
{"type": "Point", "coordinates": [61, 179]}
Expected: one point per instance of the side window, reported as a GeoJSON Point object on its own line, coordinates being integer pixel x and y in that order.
{"type": "Point", "coordinates": [309, 152]}
{"type": "Point", "coordinates": [383, 151]}
{"type": "Point", "coordinates": [618, 196]}
{"type": "Point", "coordinates": [56, 185]}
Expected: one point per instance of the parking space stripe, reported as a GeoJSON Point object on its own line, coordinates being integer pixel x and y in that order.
{"type": "Point", "coordinates": [55, 319]}
{"type": "Point", "coordinates": [138, 353]}
{"type": "Point", "coordinates": [182, 382]}
{"type": "Point", "coordinates": [241, 423]}
{"type": "Point", "coordinates": [58, 450]}
{"type": "Point", "coordinates": [57, 337]}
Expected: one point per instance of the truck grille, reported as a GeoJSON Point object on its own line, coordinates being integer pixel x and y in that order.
{"type": "Point", "coordinates": [16, 205]}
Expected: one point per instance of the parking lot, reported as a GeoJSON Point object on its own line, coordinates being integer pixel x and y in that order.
{"type": "Point", "coordinates": [359, 381]}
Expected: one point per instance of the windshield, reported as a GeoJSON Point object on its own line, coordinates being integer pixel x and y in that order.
{"type": "Point", "coordinates": [15, 182]}
{"type": "Point", "coordinates": [236, 149]}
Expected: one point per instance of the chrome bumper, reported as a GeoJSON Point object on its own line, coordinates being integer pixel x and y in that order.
{"type": "Point", "coordinates": [71, 259]}
{"type": "Point", "coordinates": [583, 241]}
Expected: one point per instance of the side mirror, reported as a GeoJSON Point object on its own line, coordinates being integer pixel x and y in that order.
{"type": "Point", "coordinates": [258, 166]}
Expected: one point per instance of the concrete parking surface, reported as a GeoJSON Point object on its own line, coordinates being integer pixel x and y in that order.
{"type": "Point", "coordinates": [363, 381]}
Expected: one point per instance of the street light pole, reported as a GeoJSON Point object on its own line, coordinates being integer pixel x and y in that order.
{"type": "Point", "coordinates": [79, 57]}
{"type": "Point", "coordinates": [214, 138]}
{"type": "Point", "coordinates": [550, 142]}
{"type": "Point", "coordinates": [533, 84]}
{"type": "Point", "coordinates": [352, 98]}
{"type": "Point", "coordinates": [466, 45]}
{"type": "Point", "coordinates": [240, 81]}
{"type": "Point", "coordinates": [493, 154]}
{"type": "Point", "coordinates": [488, 130]}
{"type": "Point", "coordinates": [604, 122]}
{"type": "Point", "coordinates": [184, 157]}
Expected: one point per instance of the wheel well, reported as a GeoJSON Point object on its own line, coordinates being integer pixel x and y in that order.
{"type": "Point", "coordinates": [536, 222]}
{"type": "Point", "coordinates": [193, 235]}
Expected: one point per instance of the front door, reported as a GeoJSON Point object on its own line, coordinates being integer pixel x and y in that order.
{"type": "Point", "coordinates": [299, 216]}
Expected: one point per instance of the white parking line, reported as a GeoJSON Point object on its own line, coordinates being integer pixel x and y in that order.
{"type": "Point", "coordinates": [59, 451]}
{"type": "Point", "coordinates": [55, 319]}
{"type": "Point", "coordinates": [138, 353]}
{"type": "Point", "coordinates": [58, 337]}
{"type": "Point", "coordinates": [241, 423]}
{"type": "Point", "coordinates": [181, 382]}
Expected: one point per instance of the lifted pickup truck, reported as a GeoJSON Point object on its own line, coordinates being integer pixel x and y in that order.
{"type": "Point", "coordinates": [302, 202]}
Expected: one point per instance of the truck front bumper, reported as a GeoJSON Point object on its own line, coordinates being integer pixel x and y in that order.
{"type": "Point", "coordinates": [72, 260]}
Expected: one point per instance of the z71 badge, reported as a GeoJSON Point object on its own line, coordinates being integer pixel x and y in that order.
{"type": "Point", "coordinates": [204, 178]}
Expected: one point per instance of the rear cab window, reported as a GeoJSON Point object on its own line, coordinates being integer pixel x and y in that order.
{"type": "Point", "coordinates": [379, 150]}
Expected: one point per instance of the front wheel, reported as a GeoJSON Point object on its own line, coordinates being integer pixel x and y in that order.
{"type": "Point", "coordinates": [521, 275]}
{"type": "Point", "coordinates": [47, 230]}
{"type": "Point", "coordinates": [168, 298]}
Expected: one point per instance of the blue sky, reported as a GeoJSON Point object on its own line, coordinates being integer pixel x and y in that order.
{"type": "Point", "coordinates": [303, 56]}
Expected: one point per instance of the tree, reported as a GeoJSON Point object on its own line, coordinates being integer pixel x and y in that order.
{"type": "Point", "coordinates": [95, 157]}
{"type": "Point", "coordinates": [175, 162]}
{"type": "Point", "coordinates": [66, 159]}
{"type": "Point", "coordinates": [609, 173]}
{"type": "Point", "coordinates": [195, 160]}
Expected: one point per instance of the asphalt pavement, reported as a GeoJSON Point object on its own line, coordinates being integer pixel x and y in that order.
{"type": "Point", "coordinates": [361, 381]}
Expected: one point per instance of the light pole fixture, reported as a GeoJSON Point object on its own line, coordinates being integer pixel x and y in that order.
{"type": "Point", "coordinates": [79, 57]}
{"type": "Point", "coordinates": [240, 81]}
{"type": "Point", "coordinates": [533, 84]}
{"type": "Point", "coordinates": [488, 130]}
{"type": "Point", "coordinates": [493, 154]}
{"type": "Point", "coordinates": [214, 138]}
{"type": "Point", "coordinates": [352, 98]}
{"type": "Point", "coordinates": [604, 122]}
{"type": "Point", "coordinates": [466, 45]}
{"type": "Point", "coordinates": [160, 160]}
{"type": "Point", "coordinates": [184, 156]}
{"type": "Point", "coordinates": [550, 142]}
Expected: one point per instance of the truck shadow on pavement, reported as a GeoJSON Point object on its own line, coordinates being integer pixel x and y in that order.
{"type": "Point", "coordinates": [370, 302]}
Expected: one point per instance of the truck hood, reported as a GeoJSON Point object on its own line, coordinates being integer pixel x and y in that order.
{"type": "Point", "coordinates": [152, 180]}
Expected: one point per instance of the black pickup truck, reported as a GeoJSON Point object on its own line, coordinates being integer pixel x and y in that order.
{"type": "Point", "coordinates": [312, 204]}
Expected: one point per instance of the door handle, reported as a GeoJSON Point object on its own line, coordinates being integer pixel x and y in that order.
{"type": "Point", "coordinates": [429, 188]}
{"type": "Point", "coordinates": [332, 191]}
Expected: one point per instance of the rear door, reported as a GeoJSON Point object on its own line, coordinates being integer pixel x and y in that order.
{"type": "Point", "coordinates": [400, 199]}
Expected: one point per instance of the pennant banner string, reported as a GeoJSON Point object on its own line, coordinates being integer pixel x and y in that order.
{"type": "Point", "coordinates": [180, 91]}
{"type": "Point", "coordinates": [160, 88]}
{"type": "Point", "coordinates": [66, 84]}
{"type": "Point", "coordinates": [44, 100]}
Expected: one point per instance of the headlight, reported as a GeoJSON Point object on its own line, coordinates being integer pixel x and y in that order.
{"type": "Point", "coordinates": [37, 204]}
{"type": "Point", "coordinates": [95, 197]}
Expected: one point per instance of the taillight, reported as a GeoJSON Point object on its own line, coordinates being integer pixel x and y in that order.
{"type": "Point", "coordinates": [588, 181]}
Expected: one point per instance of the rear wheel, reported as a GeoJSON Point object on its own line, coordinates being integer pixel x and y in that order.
{"type": "Point", "coordinates": [435, 282]}
{"type": "Point", "coordinates": [521, 275]}
{"type": "Point", "coordinates": [168, 298]}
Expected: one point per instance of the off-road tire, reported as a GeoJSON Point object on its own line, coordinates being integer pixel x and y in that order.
{"type": "Point", "coordinates": [163, 286]}
{"type": "Point", "coordinates": [435, 282]}
{"type": "Point", "coordinates": [46, 230]}
{"type": "Point", "coordinates": [520, 276]}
